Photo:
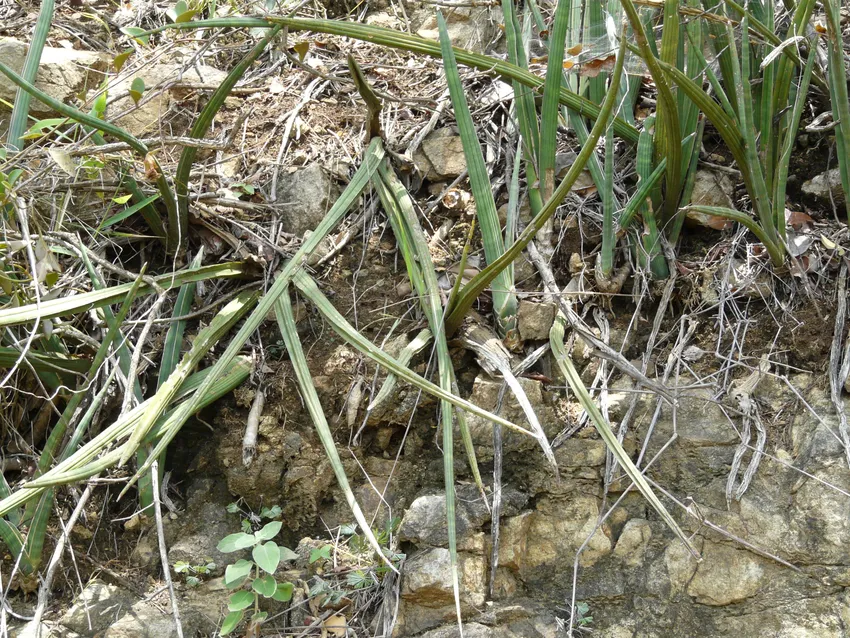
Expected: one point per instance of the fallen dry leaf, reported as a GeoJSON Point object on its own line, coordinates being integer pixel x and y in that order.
{"type": "Point", "coordinates": [334, 626]}
{"type": "Point", "coordinates": [797, 219]}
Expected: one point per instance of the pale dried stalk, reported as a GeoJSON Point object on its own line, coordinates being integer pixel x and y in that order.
{"type": "Point", "coordinates": [252, 428]}
{"type": "Point", "coordinates": [741, 393]}
{"type": "Point", "coordinates": [55, 559]}
{"type": "Point", "coordinates": [163, 550]}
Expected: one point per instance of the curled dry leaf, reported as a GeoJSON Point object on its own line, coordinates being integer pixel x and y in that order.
{"type": "Point", "coordinates": [798, 220]}
{"type": "Point", "coordinates": [151, 169]}
{"type": "Point", "coordinates": [63, 160]}
{"type": "Point", "coordinates": [456, 199]}
{"type": "Point", "coordinates": [805, 264]}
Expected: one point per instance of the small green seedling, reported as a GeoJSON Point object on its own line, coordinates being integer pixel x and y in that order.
{"type": "Point", "coordinates": [320, 553]}
{"type": "Point", "coordinates": [251, 519]}
{"type": "Point", "coordinates": [258, 574]}
{"type": "Point", "coordinates": [582, 619]}
{"type": "Point", "coordinates": [193, 572]}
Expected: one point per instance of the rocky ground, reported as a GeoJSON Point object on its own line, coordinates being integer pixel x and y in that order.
{"type": "Point", "coordinates": [751, 460]}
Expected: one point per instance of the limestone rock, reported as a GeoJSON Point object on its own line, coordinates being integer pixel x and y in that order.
{"type": "Point", "coordinates": [440, 157]}
{"type": "Point", "coordinates": [62, 73]}
{"type": "Point", "coordinates": [569, 525]}
{"type": "Point", "coordinates": [513, 540]}
{"type": "Point", "coordinates": [726, 575]}
{"type": "Point", "coordinates": [681, 565]}
{"type": "Point", "coordinates": [485, 393]}
{"type": "Point", "coordinates": [470, 630]}
{"type": "Point", "coordinates": [149, 118]}
{"type": "Point", "coordinates": [824, 617]}
{"type": "Point", "coordinates": [306, 196]}
{"type": "Point", "coordinates": [472, 28]}
{"type": "Point", "coordinates": [582, 457]}
{"type": "Point", "coordinates": [700, 421]}
{"type": "Point", "coordinates": [631, 546]}
{"type": "Point", "coordinates": [557, 528]}
{"type": "Point", "coordinates": [536, 319]}
{"type": "Point", "coordinates": [712, 188]}
{"type": "Point", "coordinates": [820, 186]}
{"type": "Point", "coordinates": [428, 581]}
{"type": "Point", "coordinates": [96, 608]}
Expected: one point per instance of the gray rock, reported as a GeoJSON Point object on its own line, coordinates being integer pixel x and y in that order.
{"type": "Point", "coordinates": [197, 530]}
{"type": "Point", "coordinates": [97, 607]}
{"type": "Point", "coordinates": [62, 73]}
{"type": "Point", "coordinates": [201, 610]}
{"type": "Point", "coordinates": [144, 621]}
{"type": "Point", "coordinates": [820, 186]}
{"type": "Point", "coordinates": [306, 196]}
{"type": "Point", "coordinates": [150, 116]}
{"type": "Point", "coordinates": [146, 551]}
{"type": "Point", "coordinates": [425, 520]}
{"type": "Point", "coordinates": [536, 319]}
{"type": "Point", "coordinates": [440, 157]}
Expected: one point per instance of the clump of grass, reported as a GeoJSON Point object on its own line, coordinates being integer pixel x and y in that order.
{"type": "Point", "coordinates": [757, 114]}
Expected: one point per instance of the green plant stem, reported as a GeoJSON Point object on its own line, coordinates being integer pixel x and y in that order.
{"type": "Point", "coordinates": [479, 283]}
{"type": "Point", "coordinates": [669, 128]}
{"type": "Point", "coordinates": [609, 236]}
{"type": "Point", "coordinates": [504, 297]}
{"type": "Point", "coordinates": [550, 111]}
{"type": "Point", "coordinates": [98, 298]}
{"type": "Point", "coordinates": [20, 111]}
{"type": "Point", "coordinates": [774, 249]}
{"type": "Point", "coordinates": [838, 94]}
{"type": "Point", "coordinates": [286, 323]}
